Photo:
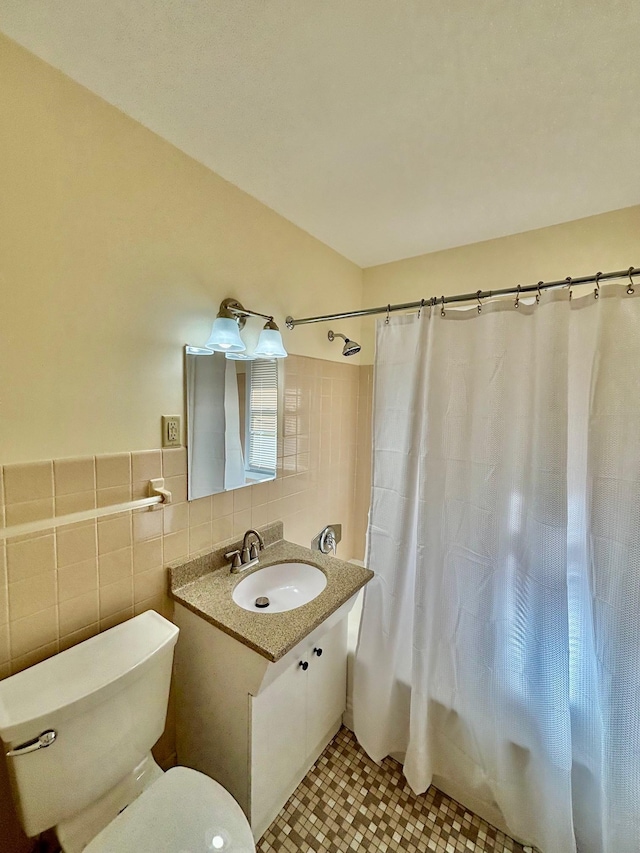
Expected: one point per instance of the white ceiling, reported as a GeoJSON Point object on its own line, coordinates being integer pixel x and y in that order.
{"type": "Point", "coordinates": [386, 128]}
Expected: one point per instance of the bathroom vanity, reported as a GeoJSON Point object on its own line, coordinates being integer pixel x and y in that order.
{"type": "Point", "coordinates": [259, 695]}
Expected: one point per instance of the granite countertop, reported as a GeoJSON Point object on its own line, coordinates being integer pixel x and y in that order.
{"type": "Point", "coordinates": [205, 584]}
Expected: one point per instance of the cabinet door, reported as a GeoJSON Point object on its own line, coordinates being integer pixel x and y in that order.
{"type": "Point", "coordinates": [326, 687]}
{"type": "Point", "coordinates": [278, 744]}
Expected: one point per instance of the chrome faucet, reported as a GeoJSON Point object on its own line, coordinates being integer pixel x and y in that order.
{"type": "Point", "coordinates": [247, 556]}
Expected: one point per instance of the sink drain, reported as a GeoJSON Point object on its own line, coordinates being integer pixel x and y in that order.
{"type": "Point", "coordinates": [263, 601]}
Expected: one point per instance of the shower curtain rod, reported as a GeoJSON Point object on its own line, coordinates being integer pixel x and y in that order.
{"type": "Point", "coordinates": [468, 297]}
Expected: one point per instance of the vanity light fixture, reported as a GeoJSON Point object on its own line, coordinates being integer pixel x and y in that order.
{"type": "Point", "coordinates": [225, 334]}
{"type": "Point", "coordinates": [270, 342]}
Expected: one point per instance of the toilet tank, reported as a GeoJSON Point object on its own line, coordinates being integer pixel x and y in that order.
{"type": "Point", "coordinates": [106, 700]}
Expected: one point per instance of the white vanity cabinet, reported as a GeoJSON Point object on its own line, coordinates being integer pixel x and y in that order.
{"type": "Point", "coordinates": [253, 725]}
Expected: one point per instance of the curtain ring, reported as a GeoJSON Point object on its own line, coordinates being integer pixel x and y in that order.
{"type": "Point", "coordinates": [420, 308]}
{"type": "Point", "coordinates": [596, 292]}
{"type": "Point", "coordinates": [569, 280]}
{"type": "Point", "coordinates": [516, 304]}
{"type": "Point", "coordinates": [442, 312]}
{"type": "Point", "coordinates": [631, 288]}
{"type": "Point", "coordinates": [386, 322]}
{"type": "Point", "coordinates": [479, 302]}
{"type": "Point", "coordinates": [538, 294]}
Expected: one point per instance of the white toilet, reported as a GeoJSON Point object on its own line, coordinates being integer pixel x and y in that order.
{"type": "Point", "coordinates": [78, 729]}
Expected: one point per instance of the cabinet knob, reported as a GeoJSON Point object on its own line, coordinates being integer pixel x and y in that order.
{"type": "Point", "coordinates": [318, 652]}
{"type": "Point", "coordinates": [304, 664]}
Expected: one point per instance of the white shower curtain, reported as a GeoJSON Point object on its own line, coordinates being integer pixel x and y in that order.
{"type": "Point", "coordinates": [500, 643]}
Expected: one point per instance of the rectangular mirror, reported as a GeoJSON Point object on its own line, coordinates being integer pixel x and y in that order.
{"type": "Point", "coordinates": [232, 421]}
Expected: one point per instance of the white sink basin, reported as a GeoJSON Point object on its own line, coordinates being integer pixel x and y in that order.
{"type": "Point", "coordinates": [286, 585]}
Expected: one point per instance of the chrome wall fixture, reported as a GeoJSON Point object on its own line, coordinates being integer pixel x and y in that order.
{"type": "Point", "coordinates": [596, 279]}
{"type": "Point", "coordinates": [350, 347]}
{"type": "Point", "coordinates": [225, 333]}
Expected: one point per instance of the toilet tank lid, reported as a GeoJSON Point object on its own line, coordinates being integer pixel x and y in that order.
{"type": "Point", "coordinates": [81, 671]}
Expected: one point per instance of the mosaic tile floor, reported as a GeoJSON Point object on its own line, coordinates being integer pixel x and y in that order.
{"type": "Point", "coordinates": [347, 802]}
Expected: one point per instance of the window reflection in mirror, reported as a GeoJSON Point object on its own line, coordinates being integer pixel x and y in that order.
{"type": "Point", "coordinates": [232, 421]}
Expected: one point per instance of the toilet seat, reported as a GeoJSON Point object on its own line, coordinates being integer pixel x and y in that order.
{"type": "Point", "coordinates": [182, 812]}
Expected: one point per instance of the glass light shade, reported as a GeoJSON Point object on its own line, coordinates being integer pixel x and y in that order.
{"type": "Point", "coordinates": [225, 336]}
{"type": "Point", "coordinates": [270, 345]}
{"type": "Point", "coordinates": [240, 356]}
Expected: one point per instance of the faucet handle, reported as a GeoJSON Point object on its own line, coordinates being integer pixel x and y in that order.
{"type": "Point", "coordinates": [254, 550]}
{"type": "Point", "coordinates": [234, 556]}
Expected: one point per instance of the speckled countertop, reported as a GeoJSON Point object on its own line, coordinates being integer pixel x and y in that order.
{"type": "Point", "coordinates": [205, 585]}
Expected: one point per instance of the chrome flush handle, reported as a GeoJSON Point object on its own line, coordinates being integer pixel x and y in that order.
{"type": "Point", "coordinates": [43, 740]}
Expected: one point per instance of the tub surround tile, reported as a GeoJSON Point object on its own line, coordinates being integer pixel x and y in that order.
{"type": "Point", "coordinates": [205, 586]}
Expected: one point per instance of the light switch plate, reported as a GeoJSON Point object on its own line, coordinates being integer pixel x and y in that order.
{"type": "Point", "coordinates": [171, 430]}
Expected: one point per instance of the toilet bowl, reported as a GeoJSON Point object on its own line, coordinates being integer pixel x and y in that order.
{"type": "Point", "coordinates": [78, 729]}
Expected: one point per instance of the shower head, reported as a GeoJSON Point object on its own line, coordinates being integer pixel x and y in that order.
{"type": "Point", "coordinates": [349, 348]}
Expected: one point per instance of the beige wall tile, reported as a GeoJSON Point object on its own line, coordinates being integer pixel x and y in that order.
{"type": "Point", "coordinates": [176, 545]}
{"type": "Point", "coordinates": [29, 511]}
{"type": "Point", "coordinates": [29, 557]}
{"type": "Point", "coordinates": [114, 495]}
{"type": "Point", "coordinates": [146, 465]}
{"type": "Point", "coordinates": [200, 537]}
{"type": "Point", "coordinates": [222, 529]}
{"type": "Point", "coordinates": [79, 502]}
{"type": "Point", "coordinates": [33, 632]}
{"type": "Point", "coordinates": [178, 488]}
{"type": "Point", "coordinates": [115, 597]}
{"type": "Point", "coordinates": [174, 462]}
{"type": "Point", "coordinates": [29, 482]}
{"type": "Point", "coordinates": [147, 555]}
{"type": "Point", "coordinates": [31, 595]}
{"type": "Point", "coordinates": [176, 517]}
{"type": "Point", "coordinates": [259, 516]}
{"type": "Point", "coordinates": [242, 499]}
{"type": "Point", "coordinates": [200, 511]}
{"type": "Point", "coordinates": [115, 566]}
{"type": "Point", "coordinates": [116, 619]}
{"type": "Point", "coordinates": [74, 475]}
{"type": "Point", "coordinates": [34, 657]}
{"type": "Point", "coordinates": [77, 579]}
{"type": "Point", "coordinates": [113, 469]}
{"type": "Point", "coordinates": [4, 596]}
{"type": "Point", "coordinates": [154, 602]}
{"type": "Point", "coordinates": [79, 636]}
{"type": "Point", "coordinates": [77, 613]}
{"type": "Point", "coordinates": [222, 504]}
{"type": "Point", "coordinates": [147, 524]}
{"type": "Point", "coordinates": [241, 522]}
{"type": "Point", "coordinates": [114, 533]}
{"type": "Point", "coordinates": [4, 644]}
{"type": "Point", "coordinates": [147, 584]}
{"type": "Point", "coordinates": [76, 543]}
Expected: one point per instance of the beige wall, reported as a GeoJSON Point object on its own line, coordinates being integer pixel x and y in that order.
{"type": "Point", "coordinates": [610, 241]}
{"type": "Point", "coordinates": [116, 250]}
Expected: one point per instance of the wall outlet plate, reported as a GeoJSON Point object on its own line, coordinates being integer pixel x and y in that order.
{"type": "Point", "coordinates": [171, 430]}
